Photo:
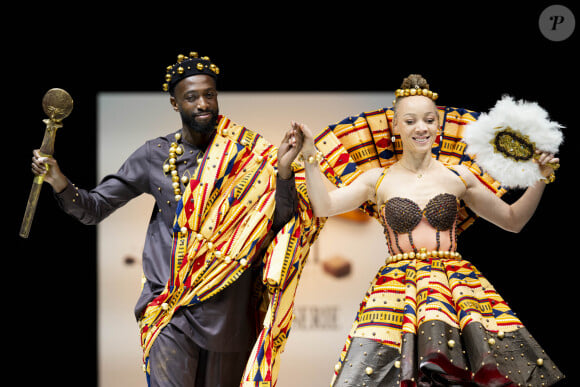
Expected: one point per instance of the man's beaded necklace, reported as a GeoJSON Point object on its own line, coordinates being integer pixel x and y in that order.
{"type": "Point", "coordinates": [170, 166]}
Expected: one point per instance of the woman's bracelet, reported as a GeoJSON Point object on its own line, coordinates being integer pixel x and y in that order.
{"type": "Point", "coordinates": [312, 158]}
{"type": "Point", "coordinates": [550, 178]}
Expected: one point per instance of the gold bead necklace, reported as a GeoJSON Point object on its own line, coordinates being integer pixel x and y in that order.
{"type": "Point", "coordinates": [170, 166]}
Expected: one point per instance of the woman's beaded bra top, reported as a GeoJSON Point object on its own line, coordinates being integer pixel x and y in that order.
{"type": "Point", "coordinates": [403, 215]}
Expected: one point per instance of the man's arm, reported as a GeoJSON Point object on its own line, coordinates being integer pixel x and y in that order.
{"type": "Point", "coordinates": [90, 207]}
{"type": "Point", "coordinates": [286, 202]}
{"type": "Point", "coordinates": [286, 195]}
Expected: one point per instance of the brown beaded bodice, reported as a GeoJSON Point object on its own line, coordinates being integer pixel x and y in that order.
{"type": "Point", "coordinates": [403, 215]}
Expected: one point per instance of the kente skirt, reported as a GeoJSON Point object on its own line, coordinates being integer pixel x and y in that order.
{"type": "Point", "coordinates": [439, 322]}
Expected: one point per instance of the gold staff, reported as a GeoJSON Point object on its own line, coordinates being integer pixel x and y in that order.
{"type": "Point", "coordinates": [57, 104]}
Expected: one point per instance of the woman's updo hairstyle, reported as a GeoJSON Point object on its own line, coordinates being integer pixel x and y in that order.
{"type": "Point", "coordinates": [414, 81]}
{"type": "Point", "coordinates": [412, 85]}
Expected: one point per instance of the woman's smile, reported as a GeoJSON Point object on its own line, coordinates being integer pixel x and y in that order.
{"type": "Point", "coordinates": [421, 139]}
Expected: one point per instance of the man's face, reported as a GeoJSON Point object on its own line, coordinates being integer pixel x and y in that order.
{"type": "Point", "coordinates": [195, 98]}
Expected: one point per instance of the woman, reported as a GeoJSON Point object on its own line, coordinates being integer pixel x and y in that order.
{"type": "Point", "coordinates": [429, 317]}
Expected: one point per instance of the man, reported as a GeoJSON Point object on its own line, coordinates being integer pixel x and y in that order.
{"type": "Point", "coordinates": [199, 338]}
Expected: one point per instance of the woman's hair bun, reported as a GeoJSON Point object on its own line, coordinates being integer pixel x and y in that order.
{"type": "Point", "coordinates": [414, 81]}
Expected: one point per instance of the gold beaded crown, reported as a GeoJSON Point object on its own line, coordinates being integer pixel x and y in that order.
{"type": "Point", "coordinates": [187, 66]}
{"type": "Point", "coordinates": [417, 90]}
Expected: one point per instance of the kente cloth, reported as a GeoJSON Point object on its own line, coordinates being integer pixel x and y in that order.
{"type": "Point", "coordinates": [428, 320]}
{"type": "Point", "coordinates": [222, 219]}
{"type": "Point", "coordinates": [283, 263]}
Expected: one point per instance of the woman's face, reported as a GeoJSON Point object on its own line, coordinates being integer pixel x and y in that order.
{"type": "Point", "coordinates": [417, 121]}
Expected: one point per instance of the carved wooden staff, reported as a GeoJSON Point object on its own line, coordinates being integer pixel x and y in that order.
{"type": "Point", "coordinates": [57, 104]}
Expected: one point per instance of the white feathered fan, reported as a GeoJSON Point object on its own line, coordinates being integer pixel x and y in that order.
{"type": "Point", "coordinates": [504, 141]}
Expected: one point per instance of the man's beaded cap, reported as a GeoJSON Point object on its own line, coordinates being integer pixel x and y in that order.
{"type": "Point", "coordinates": [187, 66]}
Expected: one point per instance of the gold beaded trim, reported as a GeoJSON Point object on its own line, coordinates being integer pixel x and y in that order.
{"type": "Point", "coordinates": [216, 253]}
{"type": "Point", "coordinates": [424, 254]}
{"type": "Point", "coordinates": [416, 91]}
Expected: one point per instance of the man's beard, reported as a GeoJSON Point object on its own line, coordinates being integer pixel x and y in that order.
{"type": "Point", "coordinates": [206, 127]}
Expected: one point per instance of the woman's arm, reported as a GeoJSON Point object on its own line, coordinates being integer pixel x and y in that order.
{"type": "Point", "coordinates": [490, 207]}
{"type": "Point", "coordinates": [340, 200]}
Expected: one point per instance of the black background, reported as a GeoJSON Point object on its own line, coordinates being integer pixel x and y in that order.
{"type": "Point", "coordinates": [470, 54]}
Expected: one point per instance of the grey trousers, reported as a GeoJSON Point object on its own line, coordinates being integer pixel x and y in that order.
{"type": "Point", "coordinates": [176, 361]}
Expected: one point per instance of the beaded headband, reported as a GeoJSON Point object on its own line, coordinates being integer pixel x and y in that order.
{"type": "Point", "coordinates": [187, 66]}
{"type": "Point", "coordinates": [416, 91]}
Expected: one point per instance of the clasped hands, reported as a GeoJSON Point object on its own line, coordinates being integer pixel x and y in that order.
{"type": "Point", "coordinates": [297, 139]}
